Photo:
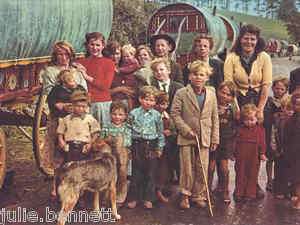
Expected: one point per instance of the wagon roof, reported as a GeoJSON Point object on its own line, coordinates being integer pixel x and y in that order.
{"type": "Point", "coordinates": [214, 25]}
{"type": "Point", "coordinates": [29, 28]}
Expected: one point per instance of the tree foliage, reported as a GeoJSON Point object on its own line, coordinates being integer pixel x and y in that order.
{"type": "Point", "coordinates": [130, 21]}
{"type": "Point", "coordinates": [286, 9]}
{"type": "Point", "coordinates": [288, 13]}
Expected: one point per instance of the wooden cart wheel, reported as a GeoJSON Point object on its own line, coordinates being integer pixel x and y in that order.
{"type": "Point", "coordinates": [39, 132]}
{"type": "Point", "coordinates": [2, 157]}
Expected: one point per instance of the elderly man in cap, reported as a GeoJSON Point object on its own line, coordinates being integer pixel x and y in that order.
{"type": "Point", "coordinates": [162, 45]}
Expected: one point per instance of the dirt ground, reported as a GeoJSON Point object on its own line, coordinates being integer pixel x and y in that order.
{"type": "Point", "coordinates": [29, 193]}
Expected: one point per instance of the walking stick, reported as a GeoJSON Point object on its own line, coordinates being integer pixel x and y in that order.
{"type": "Point", "coordinates": [205, 180]}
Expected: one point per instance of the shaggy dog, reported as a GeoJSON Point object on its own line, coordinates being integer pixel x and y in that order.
{"type": "Point", "coordinates": [97, 174]}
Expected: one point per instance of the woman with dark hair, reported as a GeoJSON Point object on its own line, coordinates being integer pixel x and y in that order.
{"type": "Point", "coordinates": [99, 75]}
{"type": "Point", "coordinates": [250, 68]}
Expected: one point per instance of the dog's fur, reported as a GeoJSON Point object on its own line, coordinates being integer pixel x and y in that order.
{"type": "Point", "coordinates": [96, 175]}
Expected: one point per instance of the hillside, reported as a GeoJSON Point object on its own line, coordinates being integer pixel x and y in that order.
{"type": "Point", "coordinates": [270, 28]}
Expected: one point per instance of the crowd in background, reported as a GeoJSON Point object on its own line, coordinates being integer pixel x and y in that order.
{"type": "Point", "coordinates": [170, 117]}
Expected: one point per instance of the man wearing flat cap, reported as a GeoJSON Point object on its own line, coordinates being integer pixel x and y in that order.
{"type": "Point", "coordinates": [162, 45]}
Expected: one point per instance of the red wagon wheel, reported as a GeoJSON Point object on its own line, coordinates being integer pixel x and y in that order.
{"type": "Point", "coordinates": [39, 132]}
{"type": "Point", "coordinates": [2, 157]}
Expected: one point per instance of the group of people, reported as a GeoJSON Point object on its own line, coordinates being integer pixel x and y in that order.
{"type": "Point", "coordinates": [176, 122]}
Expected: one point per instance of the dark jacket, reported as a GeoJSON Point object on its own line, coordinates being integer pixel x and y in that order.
{"type": "Point", "coordinates": [59, 93]}
{"type": "Point", "coordinates": [174, 86]}
{"type": "Point", "coordinates": [215, 79]}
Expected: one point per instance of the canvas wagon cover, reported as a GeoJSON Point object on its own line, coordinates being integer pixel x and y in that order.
{"type": "Point", "coordinates": [28, 28]}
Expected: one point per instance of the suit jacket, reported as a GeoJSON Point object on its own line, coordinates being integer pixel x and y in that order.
{"type": "Point", "coordinates": [188, 117]}
{"type": "Point", "coordinates": [215, 79]}
{"type": "Point", "coordinates": [174, 86]}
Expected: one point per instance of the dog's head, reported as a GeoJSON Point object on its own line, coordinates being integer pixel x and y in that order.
{"type": "Point", "coordinates": [101, 145]}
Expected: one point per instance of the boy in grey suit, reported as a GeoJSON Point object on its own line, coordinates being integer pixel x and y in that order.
{"type": "Point", "coordinates": [195, 113]}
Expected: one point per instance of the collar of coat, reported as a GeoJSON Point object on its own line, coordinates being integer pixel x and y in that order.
{"type": "Point", "coordinates": [192, 96]}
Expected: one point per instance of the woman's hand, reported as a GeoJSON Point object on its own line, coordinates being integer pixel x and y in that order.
{"type": "Point", "coordinates": [86, 148]}
{"type": "Point", "coordinates": [63, 145]}
{"type": "Point", "coordinates": [213, 147]}
{"type": "Point", "coordinates": [59, 106]}
{"type": "Point", "coordinates": [167, 132]}
{"type": "Point", "coordinates": [83, 71]}
{"type": "Point", "coordinates": [262, 157]}
{"type": "Point", "coordinates": [79, 67]}
{"type": "Point", "coordinates": [129, 91]}
{"type": "Point", "coordinates": [191, 134]}
{"type": "Point", "coordinates": [260, 116]}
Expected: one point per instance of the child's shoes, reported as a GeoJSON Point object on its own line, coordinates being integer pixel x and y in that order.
{"type": "Point", "coordinates": [279, 196]}
{"type": "Point", "coordinates": [200, 203]}
{"type": "Point", "coordinates": [161, 197]}
{"type": "Point", "coordinates": [148, 205]}
{"type": "Point", "coordinates": [184, 203]}
{"type": "Point", "coordinates": [297, 204]}
{"type": "Point", "coordinates": [132, 204]}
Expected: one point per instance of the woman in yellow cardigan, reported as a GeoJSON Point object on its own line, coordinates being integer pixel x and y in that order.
{"type": "Point", "coordinates": [250, 68]}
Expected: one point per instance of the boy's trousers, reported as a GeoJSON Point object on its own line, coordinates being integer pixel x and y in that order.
{"type": "Point", "coordinates": [191, 175]}
{"type": "Point", "coordinates": [144, 166]}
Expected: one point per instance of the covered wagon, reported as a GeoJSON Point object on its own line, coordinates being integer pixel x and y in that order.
{"type": "Point", "coordinates": [184, 21]}
{"type": "Point", "coordinates": [28, 30]}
